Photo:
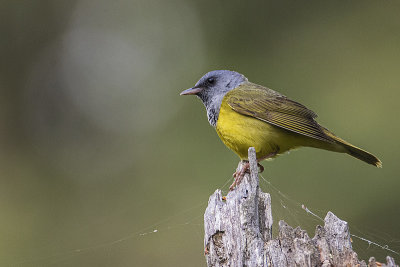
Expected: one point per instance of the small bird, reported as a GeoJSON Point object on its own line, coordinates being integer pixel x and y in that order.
{"type": "Point", "coordinates": [246, 114]}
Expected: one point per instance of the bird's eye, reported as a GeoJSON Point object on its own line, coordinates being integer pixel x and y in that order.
{"type": "Point", "coordinates": [211, 80]}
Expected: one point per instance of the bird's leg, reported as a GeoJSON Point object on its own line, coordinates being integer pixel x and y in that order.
{"type": "Point", "coordinates": [261, 167]}
{"type": "Point", "coordinates": [239, 174]}
{"type": "Point", "coordinates": [270, 155]}
{"type": "Point", "coordinates": [245, 167]}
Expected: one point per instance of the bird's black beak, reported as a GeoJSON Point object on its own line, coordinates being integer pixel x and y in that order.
{"type": "Point", "coordinates": [192, 91]}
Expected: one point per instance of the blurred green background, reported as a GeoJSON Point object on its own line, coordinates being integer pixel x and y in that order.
{"type": "Point", "coordinates": [98, 149]}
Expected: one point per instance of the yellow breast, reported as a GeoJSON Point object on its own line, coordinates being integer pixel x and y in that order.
{"type": "Point", "coordinates": [239, 132]}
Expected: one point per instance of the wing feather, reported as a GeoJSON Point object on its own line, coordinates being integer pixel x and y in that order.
{"type": "Point", "coordinates": [270, 106]}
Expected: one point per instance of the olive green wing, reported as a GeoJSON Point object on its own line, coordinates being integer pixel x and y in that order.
{"type": "Point", "coordinates": [270, 106]}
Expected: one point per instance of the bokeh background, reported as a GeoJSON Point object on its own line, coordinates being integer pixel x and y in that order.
{"type": "Point", "coordinates": [98, 149]}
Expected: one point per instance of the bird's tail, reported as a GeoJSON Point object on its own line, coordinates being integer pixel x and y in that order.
{"type": "Point", "coordinates": [363, 155]}
{"type": "Point", "coordinates": [355, 151]}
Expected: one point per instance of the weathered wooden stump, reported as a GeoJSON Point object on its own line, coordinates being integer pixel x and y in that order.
{"type": "Point", "coordinates": [238, 232]}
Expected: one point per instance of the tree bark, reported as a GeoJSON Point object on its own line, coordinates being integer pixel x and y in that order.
{"type": "Point", "coordinates": [238, 232]}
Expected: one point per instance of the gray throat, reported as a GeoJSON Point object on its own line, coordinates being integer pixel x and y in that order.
{"type": "Point", "coordinates": [213, 107]}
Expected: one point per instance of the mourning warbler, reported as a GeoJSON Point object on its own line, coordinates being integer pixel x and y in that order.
{"type": "Point", "coordinates": [246, 114]}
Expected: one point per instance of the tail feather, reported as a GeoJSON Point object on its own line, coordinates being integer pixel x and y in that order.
{"type": "Point", "coordinates": [355, 151]}
{"type": "Point", "coordinates": [363, 155]}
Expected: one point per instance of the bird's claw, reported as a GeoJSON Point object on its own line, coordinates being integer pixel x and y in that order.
{"type": "Point", "coordinates": [261, 167]}
{"type": "Point", "coordinates": [239, 174]}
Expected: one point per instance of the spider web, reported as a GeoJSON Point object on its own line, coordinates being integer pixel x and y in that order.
{"type": "Point", "coordinates": [366, 242]}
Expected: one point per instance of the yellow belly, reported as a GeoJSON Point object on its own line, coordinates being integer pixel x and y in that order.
{"type": "Point", "coordinates": [239, 132]}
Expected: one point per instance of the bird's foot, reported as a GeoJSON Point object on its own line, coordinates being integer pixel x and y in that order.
{"type": "Point", "coordinates": [270, 155]}
{"type": "Point", "coordinates": [261, 167]}
{"type": "Point", "coordinates": [239, 174]}
{"type": "Point", "coordinates": [245, 167]}
{"type": "Point", "coordinates": [206, 252]}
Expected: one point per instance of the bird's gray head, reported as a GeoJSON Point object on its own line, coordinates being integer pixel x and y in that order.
{"type": "Point", "coordinates": [211, 89]}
